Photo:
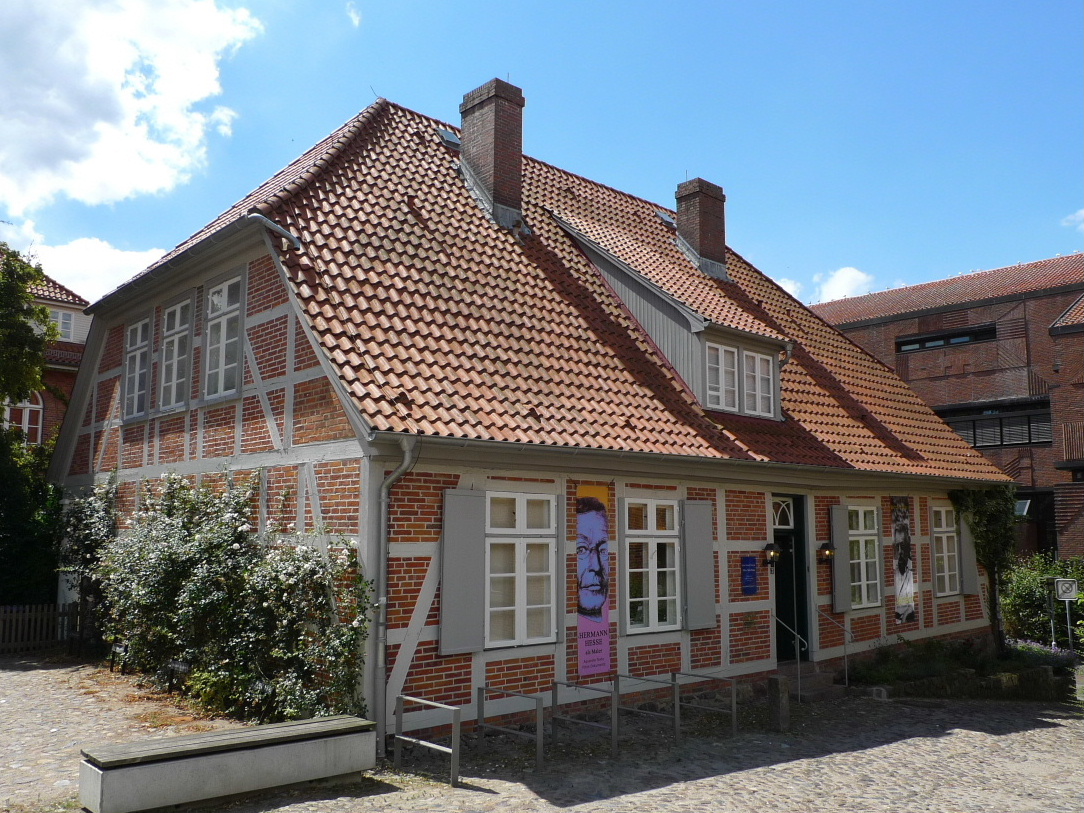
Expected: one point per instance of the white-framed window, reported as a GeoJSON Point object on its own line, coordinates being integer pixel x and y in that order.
{"type": "Point", "coordinates": [65, 323]}
{"type": "Point", "coordinates": [137, 367]}
{"type": "Point", "coordinates": [864, 541]}
{"type": "Point", "coordinates": [946, 552]}
{"type": "Point", "coordinates": [26, 416]}
{"type": "Point", "coordinates": [223, 368]}
{"type": "Point", "coordinates": [651, 565]}
{"type": "Point", "coordinates": [759, 383]}
{"type": "Point", "coordinates": [740, 381]}
{"type": "Point", "coordinates": [176, 354]}
{"type": "Point", "coordinates": [722, 377]}
{"type": "Point", "coordinates": [521, 546]}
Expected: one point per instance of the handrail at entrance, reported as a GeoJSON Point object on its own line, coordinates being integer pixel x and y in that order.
{"type": "Point", "coordinates": [794, 632]}
{"type": "Point", "coordinates": [847, 634]}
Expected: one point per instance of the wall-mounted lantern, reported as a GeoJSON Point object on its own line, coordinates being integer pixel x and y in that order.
{"type": "Point", "coordinates": [826, 552]}
{"type": "Point", "coordinates": [771, 555]}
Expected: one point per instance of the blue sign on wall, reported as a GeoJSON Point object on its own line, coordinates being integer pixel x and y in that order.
{"type": "Point", "coordinates": [749, 576]}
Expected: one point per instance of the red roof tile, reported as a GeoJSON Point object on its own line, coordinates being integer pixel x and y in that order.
{"type": "Point", "coordinates": [441, 323]}
{"type": "Point", "coordinates": [1074, 315]}
{"type": "Point", "coordinates": [982, 285]}
{"type": "Point", "coordinates": [53, 291]}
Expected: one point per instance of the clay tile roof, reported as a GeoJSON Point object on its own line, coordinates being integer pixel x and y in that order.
{"type": "Point", "coordinates": [982, 285]}
{"type": "Point", "coordinates": [53, 291]}
{"type": "Point", "coordinates": [1073, 316]}
{"type": "Point", "coordinates": [441, 323]}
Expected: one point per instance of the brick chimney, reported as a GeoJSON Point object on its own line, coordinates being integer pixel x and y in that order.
{"type": "Point", "coordinates": [492, 151]}
{"type": "Point", "coordinates": [701, 224]}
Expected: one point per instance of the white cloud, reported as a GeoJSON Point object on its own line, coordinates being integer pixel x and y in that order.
{"type": "Point", "coordinates": [791, 286]}
{"type": "Point", "coordinates": [103, 100]}
{"type": "Point", "coordinates": [1076, 219]}
{"type": "Point", "coordinates": [353, 13]}
{"type": "Point", "coordinates": [89, 266]}
{"type": "Point", "coordinates": [841, 283]}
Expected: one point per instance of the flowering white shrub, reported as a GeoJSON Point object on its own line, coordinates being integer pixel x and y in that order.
{"type": "Point", "coordinates": [265, 630]}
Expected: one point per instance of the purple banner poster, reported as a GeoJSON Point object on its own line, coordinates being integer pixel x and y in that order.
{"type": "Point", "coordinates": [593, 580]}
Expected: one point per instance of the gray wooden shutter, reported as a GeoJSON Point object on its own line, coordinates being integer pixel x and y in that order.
{"type": "Point", "coordinates": [698, 546]}
{"type": "Point", "coordinates": [463, 572]}
{"type": "Point", "coordinates": [969, 565]}
{"type": "Point", "coordinates": [841, 566]}
{"type": "Point", "coordinates": [622, 568]}
{"type": "Point", "coordinates": [881, 558]}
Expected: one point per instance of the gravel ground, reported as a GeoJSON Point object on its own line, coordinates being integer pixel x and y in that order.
{"type": "Point", "coordinates": [857, 754]}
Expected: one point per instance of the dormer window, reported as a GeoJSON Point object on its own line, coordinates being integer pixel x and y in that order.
{"type": "Point", "coordinates": [740, 380]}
{"type": "Point", "coordinates": [64, 322]}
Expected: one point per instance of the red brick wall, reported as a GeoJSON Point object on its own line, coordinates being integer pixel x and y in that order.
{"type": "Point", "coordinates": [339, 483]}
{"type": "Point", "coordinates": [417, 505]}
{"type": "Point", "coordinates": [949, 612]}
{"type": "Point", "coordinates": [750, 636]}
{"type": "Point", "coordinates": [822, 516]}
{"type": "Point", "coordinates": [318, 415]}
{"type": "Point", "coordinates": [304, 356]}
{"type": "Point", "coordinates": [220, 431]}
{"type": "Point", "coordinates": [654, 659]}
{"type": "Point", "coordinates": [268, 342]}
{"type": "Point", "coordinates": [113, 350]}
{"type": "Point", "coordinates": [829, 634]}
{"type": "Point", "coordinates": [405, 577]}
{"type": "Point", "coordinates": [432, 677]}
{"type": "Point", "coordinates": [134, 442]}
{"type": "Point", "coordinates": [746, 515]}
{"type": "Point", "coordinates": [528, 675]}
{"type": "Point", "coordinates": [265, 288]}
{"type": "Point", "coordinates": [866, 628]}
{"type": "Point", "coordinates": [706, 646]}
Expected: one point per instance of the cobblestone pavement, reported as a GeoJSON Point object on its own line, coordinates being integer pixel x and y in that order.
{"type": "Point", "coordinates": [857, 754]}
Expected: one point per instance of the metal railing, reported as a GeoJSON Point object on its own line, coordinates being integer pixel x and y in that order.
{"type": "Point", "coordinates": [675, 692]}
{"type": "Point", "coordinates": [797, 649]}
{"type": "Point", "coordinates": [847, 635]}
{"type": "Point", "coordinates": [400, 738]}
{"type": "Point", "coordinates": [536, 736]}
{"type": "Point", "coordinates": [613, 726]}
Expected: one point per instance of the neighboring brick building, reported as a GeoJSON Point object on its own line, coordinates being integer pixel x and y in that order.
{"type": "Point", "coordinates": [1000, 356]}
{"type": "Point", "coordinates": [562, 424]}
{"type": "Point", "coordinates": [40, 415]}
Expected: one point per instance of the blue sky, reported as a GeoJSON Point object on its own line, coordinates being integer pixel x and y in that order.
{"type": "Point", "coordinates": [862, 145]}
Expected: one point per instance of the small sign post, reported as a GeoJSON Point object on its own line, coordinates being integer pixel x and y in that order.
{"type": "Point", "coordinates": [1067, 590]}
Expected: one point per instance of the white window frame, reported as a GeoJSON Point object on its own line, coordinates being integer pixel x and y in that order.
{"type": "Point", "coordinates": [137, 355]}
{"type": "Point", "coordinates": [175, 363]}
{"type": "Point", "coordinates": [655, 539]}
{"type": "Point", "coordinates": [946, 552]}
{"type": "Point", "coordinates": [65, 323]}
{"type": "Point", "coordinates": [522, 539]}
{"type": "Point", "coordinates": [31, 419]}
{"type": "Point", "coordinates": [223, 333]}
{"type": "Point", "coordinates": [866, 582]}
{"type": "Point", "coordinates": [740, 380]}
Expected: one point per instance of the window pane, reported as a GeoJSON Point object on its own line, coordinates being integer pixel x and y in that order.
{"type": "Point", "coordinates": [664, 555]}
{"type": "Point", "coordinates": [853, 520]}
{"type": "Point", "coordinates": [988, 432]}
{"type": "Point", "coordinates": [502, 512]}
{"type": "Point", "coordinates": [965, 429]}
{"type": "Point", "coordinates": [638, 614]}
{"type": "Point", "coordinates": [502, 591]}
{"type": "Point", "coordinates": [668, 611]}
{"type": "Point", "coordinates": [869, 520]}
{"type": "Point", "coordinates": [856, 549]}
{"type": "Point", "coordinates": [502, 625]}
{"type": "Point", "coordinates": [538, 622]}
{"type": "Point", "coordinates": [538, 560]}
{"type": "Point", "coordinates": [856, 594]}
{"type": "Point", "coordinates": [636, 585]}
{"type": "Point", "coordinates": [637, 516]}
{"type": "Point", "coordinates": [538, 514]}
{"type": "Point", "coordinates": [664, 517]}
{"type": "Point", "coordinates": [871, 549]}
{"type": "Point", "coordinates": [233, 293]}
{"type": "Point", "coordinates": [1040, 429]}
{"type": "Point", "coordinates": [1014, 429]}
{"type": "Point", "coordinates": [538, 590]}
{"type": "Point", "coordinates": [502, 558]}
{"type": "Point", "coordinates": [637, 555]}
{"type": "Point", "coordinates": [666, 584]}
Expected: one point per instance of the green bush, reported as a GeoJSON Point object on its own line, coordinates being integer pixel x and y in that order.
{"type": "Point", "coordinates": [265, 630]}
{"type": "Point", "coordinates": [1025, 602]}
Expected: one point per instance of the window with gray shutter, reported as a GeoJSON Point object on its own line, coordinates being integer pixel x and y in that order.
{"type": "Point", "coordinates": [969, 566]}
{"type": "Point", "coordinates": [463, 572]}
{"type": "Point", "coordinates": [699, 564]}
{"type": "Point", "coordinates": [841, 564]}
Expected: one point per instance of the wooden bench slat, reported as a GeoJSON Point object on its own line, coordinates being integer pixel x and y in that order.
{"type": "Point", "coordinates": [190, 745]}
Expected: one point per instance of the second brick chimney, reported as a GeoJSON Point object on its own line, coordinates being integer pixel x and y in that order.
{"type": "Point", "coordinates": [492, 151]}
{"type": "Point", "coordinates": [701, 224]}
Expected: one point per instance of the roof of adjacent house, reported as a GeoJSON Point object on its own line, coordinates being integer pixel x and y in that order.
{"type": "Point", "coordinates": [439, 322]}
{"type": "Point", "coordinates": [1074, 315]}
{"type": "Point", "coordinates": [980, 286]}
{"type": "Point", "coordinates": [53, 291]}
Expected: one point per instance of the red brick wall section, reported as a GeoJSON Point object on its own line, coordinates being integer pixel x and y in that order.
{"type": "Point", "coordinates": [528, 675]}
{"type": "Point", "coordinates": [830, 634]}
{"type": "Point", "coordinates": [255, 436]}
{"type": "Point", "coordinates": [706, 646]}
{"type": "Point", "coordinates": [113, 350]}
{"type": "Point", "coordinates": [304, 356]}
{"type": "Point", "coordinates": [822, 516]}
{"type": "Point", "coordinates": [81, 456]}
{"type": "Point", "coordinates": [927, 609]}
{"type": "Point", "coordinates": [750, 636]}
{"type": "Point", "coordinates": [220, 431]}
{"type": "Point", "coordinates": [654, 659]}
{"type": "Point", "coordinates": [265, 288]}
{"type": "Point", "coordinates": [733, 567]}
{"type": "Point", "coordinates": [949, 612]}
{"type": "Point", "coordinates": [405, 577]}
{"type": "Point", "coordinates": [127, 501]}
{"type": "Point", "coordinates": [652, 487]}
{"type": "Point", "coordinates": [866, 627]}
{"type": "Point", "coordinates": [171, 436]}
{"type": "Point", "coordinates": [746, 516]}
{"type": "Point", "coordinates": [107, 399]}
{"type": "Point", "coordinates": [924, 518]}
{"type": "Point", "coordinates": [318, 415]}
{"type": "Point", "coordinates": [973, 608]}
{"type": "Point", "coordinates": [417, 504]}
{"type": "Point", "coordinates": [268, 342]}
{"type": "Point", "coordinates": [134, 440]}
{"type": "Point", "coordinates": [432, 677]}
{"type": "Point", "coordinates": [824, 575]}
{"type": "Point", "coordinates": [280, 488]}
{"type": "Point", "coordinates": [107, 450]}
{"type": "Point", "coordinates": [339, 483]}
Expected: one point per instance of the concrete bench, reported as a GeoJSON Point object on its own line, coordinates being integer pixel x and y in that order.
{"type": "Point", "coordinates": [155, 773]}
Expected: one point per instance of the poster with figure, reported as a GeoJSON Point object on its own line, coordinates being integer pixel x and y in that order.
{"type": "Point", "coordinates": [593, 580]}
{"type": "Point", "coordinates": [903, 560]}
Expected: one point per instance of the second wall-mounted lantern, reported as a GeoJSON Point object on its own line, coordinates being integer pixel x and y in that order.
{"type": "Point", "coordinates": [826, 552]}
{"type": "Point", "coordinates": [771, 555]}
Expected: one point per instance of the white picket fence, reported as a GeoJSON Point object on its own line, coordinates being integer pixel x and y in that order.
{"type": "Point", "coordinates": [36, 626]}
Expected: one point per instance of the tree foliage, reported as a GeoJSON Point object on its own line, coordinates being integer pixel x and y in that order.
{"type": "Point", "coordinates": [1026, 602]}
{"type": "Point", "coordinates": [991, 515]}
{"type": "Point", "coordinates": [25, 329]}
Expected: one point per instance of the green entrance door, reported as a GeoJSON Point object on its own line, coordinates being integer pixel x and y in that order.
{"type": "Point", "coordinates": [791, 578]}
